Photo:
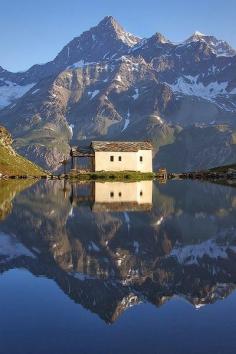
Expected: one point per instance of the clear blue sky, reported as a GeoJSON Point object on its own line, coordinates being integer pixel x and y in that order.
{"type": "Point", "coordinates": [33, 31]}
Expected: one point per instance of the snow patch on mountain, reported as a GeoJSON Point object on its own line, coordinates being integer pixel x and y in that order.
{"type": "Point", "coordinates": [82, 276]}
{"type": "Point", "coordinates": [192, 254]}
{"type": "Point", "coordinates": [93, 94]}
{"type": "Point", "coordinates": [158, 118]}
{"type": "Point", "coordinates": [197, 33]}
{"type": "Point", "coordinates": [93, 247]}
{"type": "Point", "coordinates": [127, 220]}
{"type": "Point", "coordinates": [159, 221]}
{"type": "Point", "coordinates": [71, 213]}
{"type": "Point", "coordinates": [71, 127]}
{"type": "Point", "coordinates": [35, 91]}
{"type": "Point", "coordinates": [11, 248]}
{"type": "Point", "coordinates": [190, 85]}
{"type": "Point", "coordinates": [80, 64]}
{"type": "Point", "coordinates": [138, 46]}
{"type": "Point", "coordinates": [10, 91]}
{"type": "Point", "coordinates": [136, 247]}
{"type": "Point", "coordinates": [118, 78]}
{"type": "Point", "coordinates": [127, 121]}
{"type": "Point", "coordinates": [136, 95]}
{"type": "Point", "coordinates": [129, 39]}
{"type": "Point", "coordinates": [233, 92]}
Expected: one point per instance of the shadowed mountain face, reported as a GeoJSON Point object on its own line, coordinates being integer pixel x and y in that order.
{"type": "Point", "coordinates": [109, 84]}
{"type": "Point", "coordinates": [109, 257]}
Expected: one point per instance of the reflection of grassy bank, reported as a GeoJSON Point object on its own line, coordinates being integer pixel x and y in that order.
{"type": "Point", "coordinates": [112, 176]}
{"type": "Point", "coordinates": [8, 190]}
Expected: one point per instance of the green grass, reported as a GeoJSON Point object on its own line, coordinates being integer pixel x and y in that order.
{"type": "Point", "coordinates": [16, 165]}
{"type": "Point", "coordinates": [113, 176]}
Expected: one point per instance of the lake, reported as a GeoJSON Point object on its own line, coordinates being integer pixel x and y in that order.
{"type": "Point", "coordinates": [108, 268]}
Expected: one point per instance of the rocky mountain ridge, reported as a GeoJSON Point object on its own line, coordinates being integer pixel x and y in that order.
{"type": "Point", "coordinates": [108, 84]}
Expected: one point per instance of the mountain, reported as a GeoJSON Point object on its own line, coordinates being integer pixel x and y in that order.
{"type": "Point", "coordinates": [11, 163]}
{"type": "Point", "coordinates": [218, 47]}
{"type": "Point", "coordinates": [110, 84]}
{"type": "Point", "coordinates": [197, 147]}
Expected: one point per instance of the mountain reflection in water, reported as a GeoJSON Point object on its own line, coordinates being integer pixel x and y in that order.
{"type": "Point", "coordinates": [112, 245]}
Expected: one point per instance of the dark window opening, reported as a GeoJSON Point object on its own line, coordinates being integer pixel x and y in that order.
{"type": "Point", "coordinates": [140, 158]}
{"type": "Point", "coordinates": [141, 193]}
{"type": "Point", "coordinates": [111, 158]}
{"type": "Point", "coordinates": [120, 194]}
{"type": "Point", "coordinates": [120, 158]}
{"type": "Point", "coordinates": [112, 194]}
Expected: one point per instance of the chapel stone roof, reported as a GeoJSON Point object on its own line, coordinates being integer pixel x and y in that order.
{"type": "Point", "coordinates": [121, 146]}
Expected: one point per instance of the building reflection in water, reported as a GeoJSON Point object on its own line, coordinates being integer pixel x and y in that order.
{"type": "Point", "coordinates": [113, 196]}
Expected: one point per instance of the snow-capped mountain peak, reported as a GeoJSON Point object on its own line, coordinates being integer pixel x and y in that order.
{"type": "Point", "coordinates": [160, 38]}
{"type": "Point", "coordinates": [199, 34]}
{"type": "Point", "coordinates": [2, 70]}
{"type": "Point", "coordinates": [109, 20]}
{"type": "Point", "coordinates": [105, 41]}
{"type": "Point", "coordinates": [109, 23]}
{"type": "Point", "coordinates": [217, 46]}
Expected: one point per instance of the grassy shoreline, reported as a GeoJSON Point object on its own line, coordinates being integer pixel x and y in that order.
{"type": "Point", "coordinates": [112, 176]}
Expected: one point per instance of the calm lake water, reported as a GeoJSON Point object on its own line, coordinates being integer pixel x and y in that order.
{"type": "Point", "coordinates": [108, 268]}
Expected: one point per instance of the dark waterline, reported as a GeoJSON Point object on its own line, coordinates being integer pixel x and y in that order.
{"type": "Point", "coordinates": [81, 273]}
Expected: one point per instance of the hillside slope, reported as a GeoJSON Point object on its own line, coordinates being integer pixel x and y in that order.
{"type": "Point", "coordinates": [12, 164]}
{"type": "Point", "coordinates": [198, 148]}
